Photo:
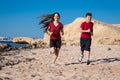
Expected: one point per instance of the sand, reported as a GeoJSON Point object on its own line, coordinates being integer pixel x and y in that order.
{"type": "Point", "coordinates": [35, 64]}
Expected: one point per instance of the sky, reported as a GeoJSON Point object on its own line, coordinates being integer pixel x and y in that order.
{"type": "Point", "coordinates": [19, 18]}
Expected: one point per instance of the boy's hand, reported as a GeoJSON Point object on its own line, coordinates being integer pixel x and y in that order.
{"type": "Point", "coordinates": [91, 33]}
{"type": "Point", "coordinates": [88, 30]}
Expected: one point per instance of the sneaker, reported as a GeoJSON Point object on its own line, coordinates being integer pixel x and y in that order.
{"type": "Point", "coordinates": [49, 52]}
{"type": "Point", "coordinates": [53, 65]}
{"type": "Point", "coordinates": [80, 58]}
{"type": "Point", "coordinates": [88, 62]}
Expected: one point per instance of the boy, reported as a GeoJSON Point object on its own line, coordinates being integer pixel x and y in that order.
{"type": "Point", "coordinates": [86, 29]}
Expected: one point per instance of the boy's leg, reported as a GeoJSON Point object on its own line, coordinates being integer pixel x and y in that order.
{"type": "Point", "coordinates": [82, 45]}
{"type": "Point", "coordinates": [81, 56]}
{"type": "Point", "coordinates": [88, 57]}
{"type": "Point", "coordinates": [88, 45]}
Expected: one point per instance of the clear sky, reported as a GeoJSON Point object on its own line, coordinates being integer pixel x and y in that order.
{"type": "Point", "coordinates": [19, 17]}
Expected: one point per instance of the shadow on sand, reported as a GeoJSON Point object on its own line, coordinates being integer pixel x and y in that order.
{"type": "Point", "coordinates": [98, 61]}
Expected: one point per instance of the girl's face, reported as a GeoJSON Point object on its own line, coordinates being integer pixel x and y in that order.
{"type": "Point", "coordinates": [56, 17]}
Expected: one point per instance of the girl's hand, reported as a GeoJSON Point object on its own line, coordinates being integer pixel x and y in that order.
{"type": "Point", "coordinates": [50, 33]}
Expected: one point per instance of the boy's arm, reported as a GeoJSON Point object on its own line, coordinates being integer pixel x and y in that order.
{"type": "Point", "coordinates": [81, 30]}
{"type": "Point", "coordinates": [92, 31]}
{"type": "Point", "coordinates": [87, 31]}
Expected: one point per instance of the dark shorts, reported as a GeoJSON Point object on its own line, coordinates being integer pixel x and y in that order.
{"type": "Point", "coordinates": [85, 44]}
{"type": "Point", "coordinates": [55, 43]}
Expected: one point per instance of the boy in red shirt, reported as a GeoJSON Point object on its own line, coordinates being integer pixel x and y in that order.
{"type": "Point", "coordinates": [86, 29]}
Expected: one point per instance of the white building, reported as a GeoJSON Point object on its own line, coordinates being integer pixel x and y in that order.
{"type": "Point", "coordinates": [5, 39]}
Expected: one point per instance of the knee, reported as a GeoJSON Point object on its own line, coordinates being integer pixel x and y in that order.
{"type": "Point", "coordinates": [56, 54]}
{"type": "Point", "coordinates": [53, 51]}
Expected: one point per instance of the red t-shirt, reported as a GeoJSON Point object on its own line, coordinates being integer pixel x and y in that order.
{"type": "Point", "coordinates": [86, 26]}
{"type": "Point", "coordinates": [55, 30]}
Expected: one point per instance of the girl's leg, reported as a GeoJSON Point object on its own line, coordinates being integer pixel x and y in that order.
{"type": "Point", "coordinates": [56, 54]}
{"type": "Point", "coordinates": [52, 50]}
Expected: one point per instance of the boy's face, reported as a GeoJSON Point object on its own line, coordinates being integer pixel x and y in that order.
{"type": "Point", "coordinates": [88, 18]}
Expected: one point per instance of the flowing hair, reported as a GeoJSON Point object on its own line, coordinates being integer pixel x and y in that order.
{"type": "Point", "coordinates": [46, 19]}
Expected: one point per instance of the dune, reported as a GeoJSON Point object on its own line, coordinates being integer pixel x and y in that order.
{"type": "Point", "coordinates": [117, 25]}
{"type": "Point", "coordinates": [106, 33]}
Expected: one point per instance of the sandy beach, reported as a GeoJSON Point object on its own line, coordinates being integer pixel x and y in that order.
{"type": "Point", "coordinates": [35, 64]}
{"type": "Point", "coordinates": [29, 28]}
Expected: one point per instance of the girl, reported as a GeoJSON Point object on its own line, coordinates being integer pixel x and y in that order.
{"type": "Point", "coordinates": [54, 28]}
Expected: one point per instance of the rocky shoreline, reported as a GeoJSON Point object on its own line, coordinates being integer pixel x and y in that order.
{"type": "Point", "coordinates": [29, 42]}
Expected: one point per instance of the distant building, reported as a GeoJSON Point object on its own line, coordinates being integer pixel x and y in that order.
{"type": "Point", "coordinates": [5, 39]}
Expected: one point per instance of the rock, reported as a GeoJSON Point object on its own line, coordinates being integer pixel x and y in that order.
{"type": "Point", "coordinates": [7, 78]}
{"type": "Point", "coordinates": [34, 75]}
{"type": "Point", "coordinates": [2, 64]}
{"type": "Point", "coordinates": [31, 43]}
{"type": "Point", "coordinates": [0, 68]}
{"type": "Point", "coordinates": [1, 79]}
{"type": "Point", "coordinates": [34, 53]}
{"type": "Point", "coordinates": [3, 46]}
{"type": "Point", "coordinates": [109, 49]}
{"type": "Point", "coordinates": [29, 59]}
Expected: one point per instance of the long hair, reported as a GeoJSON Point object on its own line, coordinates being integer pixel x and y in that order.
{"type": "Point", "coordinates": [46, 19]}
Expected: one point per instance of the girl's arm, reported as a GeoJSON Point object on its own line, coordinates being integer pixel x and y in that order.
{"type": "Point", "coordinates": [48, 31]}
{"type": "Point", "coordinates": [62, 31]}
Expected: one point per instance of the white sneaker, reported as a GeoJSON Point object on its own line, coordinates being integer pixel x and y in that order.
{"type": "Point", "coordinates": [80, 58]}
{"type": "Point", "coordinates": [53, 65]}
{"type": "Point", "coordinates": [49, 52]}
